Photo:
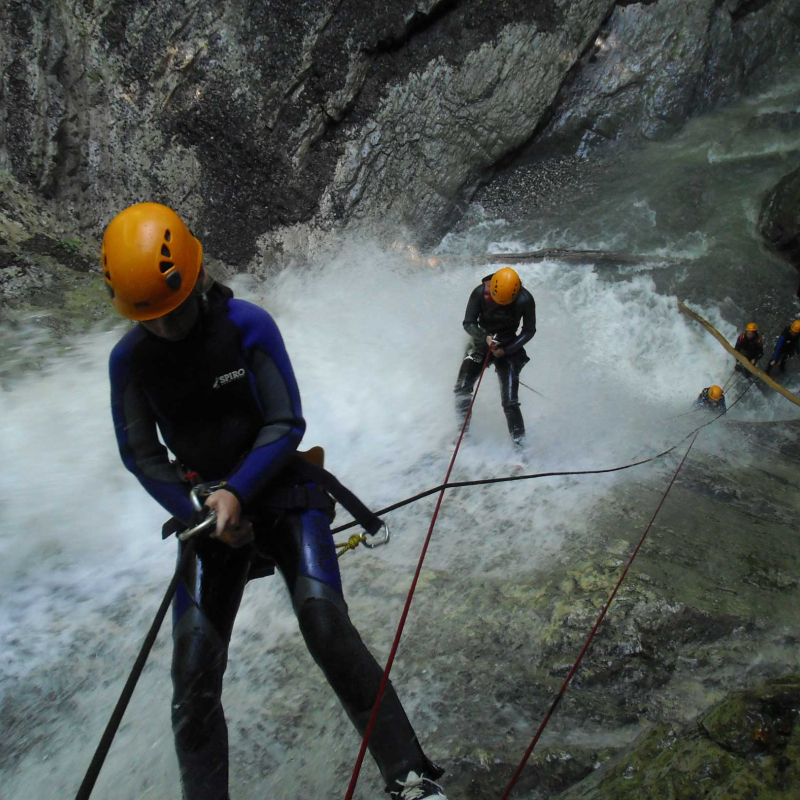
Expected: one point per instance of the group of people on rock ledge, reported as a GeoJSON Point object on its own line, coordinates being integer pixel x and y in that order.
{"type": "Point", "coordinates": [750, 344]}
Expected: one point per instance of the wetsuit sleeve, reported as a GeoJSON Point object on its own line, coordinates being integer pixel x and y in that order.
{"type": "Point", "coordinates": [471, 325]}
{"type": "Point", "coordinates": [739, 341]}
{"type": "Point", "coordinates": [528, 326]}
{"type": "Point", "coordinates": [778, 347]}
{"type": "Point", "coordinates": [760, 349]}
{"type": "Point", "coordinates": [273, 382]}
{"type": "Point", "coordinates": [723, 404]}
{"type": "Point", "coordinates": [137, 439]}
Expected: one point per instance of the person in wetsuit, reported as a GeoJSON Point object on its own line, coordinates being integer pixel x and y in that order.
{"type": "Point", "coordinates": [211, 374]}
{"type": "Point", "coordinates": [751, 345]}
{"type": "Point", "coordinates": [494, 312]}
{"type": "Point", "coordinates": [711, 398]}
{"type": "Point", "coordinates": [788, 345]}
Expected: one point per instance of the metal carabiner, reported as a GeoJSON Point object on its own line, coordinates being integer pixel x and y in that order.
{"type": "Point", "coordinates": [210, 522]}
{"type": "Point", "coordinates": [377, 539]}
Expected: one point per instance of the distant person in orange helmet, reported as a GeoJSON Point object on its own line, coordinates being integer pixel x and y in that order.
{"type": "Point", "coordinates": [750, 344]}
{"type": "Point", "coordinates": [495, 310]}
{"type": "Point", "coordinates": [711, 399]}
{"type": "Point", "coordinates": [788, 345]}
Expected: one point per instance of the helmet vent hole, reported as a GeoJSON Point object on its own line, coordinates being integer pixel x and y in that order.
{"type": "Point", "coordinates": [108, 275]}
{"type": "Point", "coordinates": [167, 235]}
{"type": "Point", "coordinates": [174, 280]}
{"type": "Point", "coordinates": [105, 260]}
{"type": "Point", "coordinates": [166, 266]}
{"type": "Point", "coordinates": [165, 251]}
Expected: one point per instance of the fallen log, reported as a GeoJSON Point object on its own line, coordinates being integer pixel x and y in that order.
{"type": "Point", "coordinates": [581, 257]}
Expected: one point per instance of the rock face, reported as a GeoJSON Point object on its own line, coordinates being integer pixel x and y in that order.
{"type": "Point", "coordinates": [779, 222]}
{"type": "Point", "coordinates": [748, 745]}
{"type": "Point", "coordinates": [253, 117]}
{"type": "Point", "coordinates": [653, 65]}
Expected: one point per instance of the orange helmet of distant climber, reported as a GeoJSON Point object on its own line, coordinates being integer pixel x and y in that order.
{"type": "Point", "coordinates": [150, 261]}
{"type": "Point", "coordinates": [796, 326]}
{"type": "Point", "coordinates": [715, 393]}
{"type": "Point", "coordinates": [751, 327]}
{"type": "Point", "coordinates": [505, 286]}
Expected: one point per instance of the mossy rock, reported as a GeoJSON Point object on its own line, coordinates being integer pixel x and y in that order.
{"type": "Point", "coordinates": [746, 746]}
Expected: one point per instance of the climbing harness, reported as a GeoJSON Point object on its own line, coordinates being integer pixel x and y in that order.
{"type": "Point", "coordinates": [404, 615]}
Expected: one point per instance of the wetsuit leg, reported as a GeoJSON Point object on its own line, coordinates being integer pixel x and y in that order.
{"type": "Point", "coordinates": [303, 549]}
{"type": "Point", "coordinates": [465, 382]}
{"type": "Point", "coordinates": [203, 610]}
{"type": "Point", "coordinates": [508, 370]}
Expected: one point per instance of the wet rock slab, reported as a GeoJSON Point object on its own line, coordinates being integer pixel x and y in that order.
{"type": "Point", "coordinates": [748, 745]}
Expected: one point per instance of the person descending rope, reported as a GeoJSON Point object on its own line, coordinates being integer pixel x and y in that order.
{"type": "Point", "coordinates": [750, 345]}
{"type": "Point", "coordinates": [211, 375]}
{"type": "Point", "coordinates": [711, 399]}
{"type": "Point", "coordinates": [788, 345]}
{"type": "Point", "coordinates": [494, 312]}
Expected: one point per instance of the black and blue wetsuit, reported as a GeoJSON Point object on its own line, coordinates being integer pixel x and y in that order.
{"type": "Point", "coordinates": [227, 405]}
{"type": "Point", "coordinates": [484, 317]}
{"type": "Point", "coordinates": [788, 345]}
{"type": "Point", "coordinates": [752, 349]}
{"type": "Point", "coordinates": [707, 404]}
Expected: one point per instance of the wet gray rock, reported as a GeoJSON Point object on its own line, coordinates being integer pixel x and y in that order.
{"type": "Point", "coordinates": [779, 221]}
{"type": "Point", "coordinates": [744, 746]}
{"type": "Point", "coordinates": [238, 112]}
{"type": "Point", "coordinates": [655, 65]}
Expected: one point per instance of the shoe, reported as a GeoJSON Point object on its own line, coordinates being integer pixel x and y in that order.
{"type": "Point", "coordinates": [417, 787]}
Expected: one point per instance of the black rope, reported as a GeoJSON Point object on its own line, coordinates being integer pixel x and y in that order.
{"type": "Point", "coordinates": [510, 478]}
{"type": "Point", "coordinates": [116, 717]}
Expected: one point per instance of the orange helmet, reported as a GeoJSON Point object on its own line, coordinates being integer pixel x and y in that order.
{"type": "Point", "coordinates": [150, 261]}
{"type": "Point", "coordinates": [752, 327]}
{"type": "Point", "coordinates": [715, 393]}
{"type": "Point", "coordinates": [796, 326]}
{"type": "Point", "coordinates": [505, 286]}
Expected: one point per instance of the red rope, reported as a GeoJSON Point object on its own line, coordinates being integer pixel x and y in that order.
{"type": "Point", "coordinates": [399, 633]}
{"type": "Point", "coordinates": [591, 635]}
